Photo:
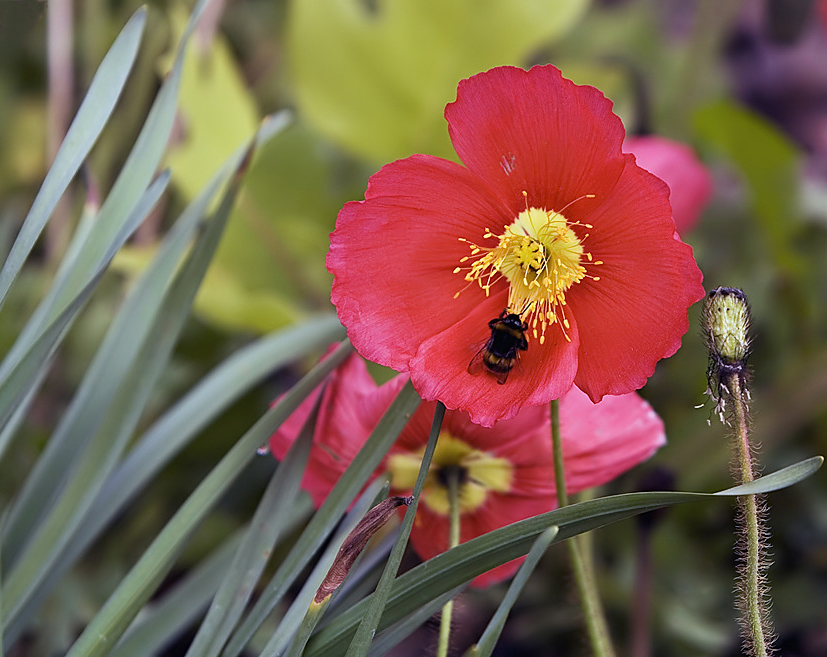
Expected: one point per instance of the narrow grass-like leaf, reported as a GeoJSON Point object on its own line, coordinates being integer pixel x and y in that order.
{"type": "Point", "coordinates": [21, 410]}
{"type": "Point", "coordinates": [297, 615]}
{"type": "Point", "coordinates": [14, 423]}
{"type": "Point", "coordinates": [181, 607]}
{"type": "Point", "coordinates": [87, 125]}
{"type": "Point", "coordinates": [485, 646]}
{"type": "Point", "coordinates": [132, 391]}
{"type": "Point", "coordinates": [162, 620]}
{"type": "Point", "coordinates": [305, 629]}
{"type": "Point", "coordinates": [425, 582]}
{"type": "Point", "coordinates": [400, 631]}
{"type": "Point", "coordinates": [118, 612]}
{"type": "Point", "coordinates": [113, 361]}
{"type": "Point", "coordinates": [365, 462]}
{"type": "Point", "coordinates": [18, 374]}
{"type": "Point", "coordinates": [273, 512]}
{"type": "Point", "coordinates": [360, 644]}
{"type": "Point", "coordinates": [86, 255]}
{"type": "Point", "coordinates": [14, 387]}
{"type": "Point", "coordinates": [144, 158]}
{"type": "Point", "coordinates": [120, 419]}
{"type": "Point", "coordinates": [783, 478]}
{"type": "Point", "coordinates": [21, 376]}
{"type": "Point", "coordinates": [22, 369]}
{"type": "Point", "coordinates": [184, 421]}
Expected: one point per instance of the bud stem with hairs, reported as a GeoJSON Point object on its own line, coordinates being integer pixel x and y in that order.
{"type": "Point", "coordinates": [726, 322]}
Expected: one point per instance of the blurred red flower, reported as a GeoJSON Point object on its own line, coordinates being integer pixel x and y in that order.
{"type": "Point", "coordinates": [505, 473]}
{"type": "Point", "coordinates": [689, 182]}
{"type": "Point", "coordinates": [549, 220]}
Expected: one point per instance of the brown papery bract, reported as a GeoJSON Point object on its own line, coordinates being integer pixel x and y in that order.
{"type": "Point", "coordinates": [355, 542]}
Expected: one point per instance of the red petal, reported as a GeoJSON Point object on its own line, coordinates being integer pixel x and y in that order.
{"type": "Point", "coordinates": [637, 312]}
{"type": "Point", "coordinates": [601, 441]}
{"type": "Point", "coordinates": [542, 373]}
{"type": "Point", "coordinates": [537, 132]}
{"type": "Point", "coordinates": [393, 256]}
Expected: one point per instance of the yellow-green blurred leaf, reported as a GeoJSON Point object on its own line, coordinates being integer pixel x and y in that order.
{"type": "Point", "coordinates": [269, 269]}
{"type": "Point", "coordinates": [216, 111]}
{"type": "Point", "coordinates": [376, 81]}
{"type": "Point", "coordinates": [25, 144]}
{"type": "Point", "coordinates": [769, 163]}
{"type": "Point", "coordinates": [279, 231]}
{"type": "Point", "coordinates": [228, 305]}
{"type": "Point", "coordinates": [270, 265]}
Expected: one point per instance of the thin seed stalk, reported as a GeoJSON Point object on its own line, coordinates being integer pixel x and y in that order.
{"type": "Point", "coordinates": [593, 613]}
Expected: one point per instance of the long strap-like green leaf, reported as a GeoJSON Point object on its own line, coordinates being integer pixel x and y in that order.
{"type": "Point", "coordinates": [87, 125]}
{"type": "Point", "coordinates": [422, 584]}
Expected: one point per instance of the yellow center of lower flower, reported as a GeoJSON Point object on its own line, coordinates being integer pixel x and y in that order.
{"type": "Point", "coordinates": [541, 257]}
{"type": "Point", "coordinates": [478, 474]}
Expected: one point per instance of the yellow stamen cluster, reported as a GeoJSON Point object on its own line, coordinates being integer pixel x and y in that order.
{"type": "Point", "coordinates": [480, 474]}
{"type": "Point", "coordinates": [541, 257]}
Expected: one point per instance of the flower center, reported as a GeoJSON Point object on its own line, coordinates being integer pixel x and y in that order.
{"type": "Point", "coordinates": [476, 472]}
{"type": "Point", "coordinates": [541, 257]}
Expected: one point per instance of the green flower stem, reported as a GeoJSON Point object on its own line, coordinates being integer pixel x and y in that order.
{"type": "Point", "coordinates": [453, 540]}
{"type": "Point", "coordinates": [756, 617]}
{"type": "Point", "coordinates": [557, 446]}
{"type": "Point", "coordinates": [594, 617]}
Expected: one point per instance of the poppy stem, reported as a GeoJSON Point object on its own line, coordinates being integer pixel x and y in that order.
{"type": "Point", "coordinates": [726, 323]}
{"type": "Point", "coordinates": [453, 541]}
{"type": "Point", "coordinates": [756, 629]}
{"type": "Point", "coordinates": [593, 614]}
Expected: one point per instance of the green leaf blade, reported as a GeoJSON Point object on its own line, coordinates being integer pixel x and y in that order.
{"type": "Point", "coordinates": [422, 584]}
{"type": "Point", "coordinates": [94, 113]}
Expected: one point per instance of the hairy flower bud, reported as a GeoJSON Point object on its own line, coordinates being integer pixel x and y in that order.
{"type": "Point", "coordinates": [726, 323]}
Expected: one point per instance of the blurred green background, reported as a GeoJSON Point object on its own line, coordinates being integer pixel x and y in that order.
{"type": "Point", "coordinates": [742, 82]}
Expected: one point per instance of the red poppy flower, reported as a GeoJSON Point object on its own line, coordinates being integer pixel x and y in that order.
{"type": "Point", "coordinates": [548, 220]}
{"type": "Point", "coordinates": [505, 473]}
{"type": "Point", "coordinates": [689, 182]}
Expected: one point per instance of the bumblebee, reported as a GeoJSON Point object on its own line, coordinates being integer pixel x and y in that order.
{"type": "Point", "coordinates": [499, 354]}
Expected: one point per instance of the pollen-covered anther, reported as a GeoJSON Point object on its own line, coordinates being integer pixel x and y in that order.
{"type": "Point", "coordinates": [540, 255]}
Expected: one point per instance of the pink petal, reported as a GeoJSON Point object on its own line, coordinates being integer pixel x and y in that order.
{"type": "Point", "coordinates": [601, 441]}
{"type": "Point", "coordinates": [342, 426]}
{"type": "Point", "coordinates": [689, 181]}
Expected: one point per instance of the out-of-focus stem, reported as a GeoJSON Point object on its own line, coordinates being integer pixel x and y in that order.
{"type": "Point", "coordinates": [59, 63]}
{"type": "Point", "coordinates": [593, 614]}
{"type": "Point", "coordinates": [641, 642]}
{"type": "Point", "coordinates": [453, 541]}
